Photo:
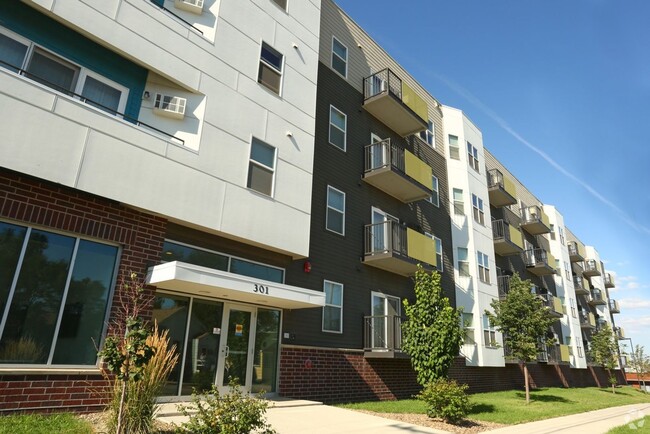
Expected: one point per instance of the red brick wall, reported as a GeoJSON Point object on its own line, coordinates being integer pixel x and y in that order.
{"type": "Point", "coordinates": [31, 201]}
{"type": "Point", "coordinates": [341, 376]}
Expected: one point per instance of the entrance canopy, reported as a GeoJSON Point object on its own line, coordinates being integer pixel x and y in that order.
{"type": "Point", "coordinates": [197, 280]}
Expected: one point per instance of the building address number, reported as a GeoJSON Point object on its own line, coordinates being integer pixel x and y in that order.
{"type": "Point", "coordinates": [261, 289]}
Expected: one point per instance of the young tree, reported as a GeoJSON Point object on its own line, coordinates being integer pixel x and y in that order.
{"type": "Point", "coordinates": [604, 350]}
{"type": "Point", "coordinates": [524, 321]}
{"type": "Point", "coordinates": [640, 363]}
{"type": "Point", "coordinates": [432, 335]}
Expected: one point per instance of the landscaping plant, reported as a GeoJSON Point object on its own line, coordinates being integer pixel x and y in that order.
{"type": "Point", "coordinates": [446, 399]}
{"type": "Point", "coordinates": [604, 351]}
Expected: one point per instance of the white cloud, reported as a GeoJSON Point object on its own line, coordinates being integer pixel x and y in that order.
{"type": "Point", "coordinates": [634, 303]}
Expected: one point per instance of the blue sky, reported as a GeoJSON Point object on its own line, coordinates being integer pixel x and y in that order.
{"type": "Point", "coordinates": [569, 79]}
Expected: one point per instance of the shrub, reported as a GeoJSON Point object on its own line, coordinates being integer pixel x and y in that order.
{"type": "Point", "coordinates": [140, 406]}
{"type": "Point", "coordinates": [234, 412]}
{"type": "Point", "coordinates": [446, 399]}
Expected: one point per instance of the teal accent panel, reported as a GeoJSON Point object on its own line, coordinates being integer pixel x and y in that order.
{"type": "Point", "coordinates": [48, 33]}
{"type": "Point", "coordinates": [159, 3]}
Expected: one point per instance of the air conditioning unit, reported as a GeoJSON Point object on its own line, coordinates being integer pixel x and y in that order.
{"type": "Point", "coordinates": [192, 6]}
{"type": "Point", "coordinates": [169, 106]}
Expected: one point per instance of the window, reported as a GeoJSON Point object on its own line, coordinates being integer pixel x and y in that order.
{"type": "Point", "coordinates": [428, 135]}
{"type": "Point", "coordinates": [438, 244]}
{"type": "Point", "coordinates": [561, 231]}
{"type": "Point", "coordinates": [489, 333]}
{"type": "Point", "coordinates": [339, 57]}
{"type": "Point", "coordinates": [459, 204]}
{"type": "Point", "coordinates": [567, 271]}
{"type": "Point", "coordinates": [51, 70]}
{"type": "Point", "coordinates": [454, 149]}
{"type": "Point", "coordinates": [467, 323]}
{"type": "Point", "coordinates": [385, 327]}
{"type": "Point", "coordinates": [552, 231]}
{"type": "Point", "coordinates": [55, 299]}
{"type": "Point", "coordinates": [333, 309]}
{"type": "Point", "coordinates": [335, 217]}
{"type": "Point", "coordinates": [270, 71]}
{"type": "Point", "coordinates": [483, 267]}
{"type": "Point", "coordinates": [477, 208]}
{"type": "Point", "coordinates": [472, 156]}
{"type": "Point", "coordinates": [338, 128]}
{"type": "Point", "coordinates": [572, 302]}
{"type": "Point", "coordinates": [435, 197]}
{"type": "Point", "coordinates": [463, 262]}
{"type": "Point", "coordinates": [261, 167]}
{"type": "Point", "coordinates": [281, 3]}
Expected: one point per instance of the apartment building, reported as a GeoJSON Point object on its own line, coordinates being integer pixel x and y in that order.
{"type": "Point", "coordinates": [173, 139]}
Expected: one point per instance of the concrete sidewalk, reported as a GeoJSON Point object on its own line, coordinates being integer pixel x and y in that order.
{"type": "Point", "coordinates": [592, 422]}
{"type": "Point", "coordinates": [290, 416]}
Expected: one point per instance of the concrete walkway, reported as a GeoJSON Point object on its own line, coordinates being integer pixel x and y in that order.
{"type": "Point", "coordinates": [289, 416]}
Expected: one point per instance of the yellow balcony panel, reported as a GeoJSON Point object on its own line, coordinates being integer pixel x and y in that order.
{"type": "Point", "coordinates": [397, 249]}
{"type": "Point", "coordinates": [597, 298]}
{"type": "Point", "coordinates": [614, 306]}
{"type": "Point", "coordinates": [587, 321]}
{"type": "Point", "coordinates": [534, 220]}
{"type": "Point", "coordinates": [395, 104]}
{"type": "Point", "coordinates": [591, 268]}
{"type": "Point", "coordinates": [580, 285]}
{"type": "Point", "coordinates": [609, 280]}
{"type": "Point", "coordinates": [565, 354]}
{"type": "Point", "coordinates": [592, 320]}
{"type": "Point", "coordinates": [507, 238]}
{"type": "Point", "coordinates": [501, 189]}
{"type": "Point", "coordinates": [576, 251]}
{"type": "Point", "coordinates": [557, 307]}
{"type": "Point", "coordinates": [397, 172]}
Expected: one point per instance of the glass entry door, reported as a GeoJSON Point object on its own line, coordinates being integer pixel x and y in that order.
{"type": "Point", "coordinates": [236, 347]}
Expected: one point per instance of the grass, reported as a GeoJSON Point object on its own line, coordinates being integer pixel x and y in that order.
{"type": "Point", "coordinates": [44, 424]}
{"type": "Point", "coordinates": [509, 407]}
{"type": "Point", "coordinates": [638, 426]}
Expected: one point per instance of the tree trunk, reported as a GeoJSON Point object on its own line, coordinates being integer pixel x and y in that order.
{"type": "Point", "coordinates": [527, 384]}
{"type": "Point", "coordinates": [119, 413]}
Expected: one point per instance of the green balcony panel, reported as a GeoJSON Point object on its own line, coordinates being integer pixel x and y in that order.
{"type": "Point", "coordinates": [414, 102]}
{"type": "Point", "coordinates": [418, 169]}
{"type": "Point", "coordinates": [565, 354]}
{"type": "Point", "coordinates": [516, 237]}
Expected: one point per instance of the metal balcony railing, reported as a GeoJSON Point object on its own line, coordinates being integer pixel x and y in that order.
{"type": "Point", "coordinates": [534, 257]}
{"type": "Point", "coordinates": [86, 100]}
{"type": "Point", "coordinates": [382, 81]}
{"type": "Point", "coordinates": [383, 154]}
{"type": "Point", "coordinates": [503, 283]}
{"type": "Point", "coordinates": [591, 268]}
{"type": "Point", "coordinates": [382, 333]}
{"type": "Point", "coordinates": [574, 251]}
{"type": "Point", "coordinates": [597, 297]}
{"type": "Point", "coordinates": [386, 237]}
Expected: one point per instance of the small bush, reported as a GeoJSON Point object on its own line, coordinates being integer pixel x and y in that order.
{"type": "Point", "coordinates": [232, 413]}
{"type": "Point", "coordinates": [446, 400]}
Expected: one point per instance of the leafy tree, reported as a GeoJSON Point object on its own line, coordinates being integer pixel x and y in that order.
{"type": "Point", "coordinates": [604, 350]}
{"type": "Point", "coordinates": [432, 335]}
{"type": "Point", "coordinates": [640, 363]}
{"type": "Point", "coordinates": [524, 321]}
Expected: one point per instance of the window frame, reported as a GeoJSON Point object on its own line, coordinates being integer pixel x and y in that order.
{"type": "Point", "coordinates": [469, 337]}
{"type": "Point", "coordinates": [342, 287]}
{"type": "Point", "coordinates": [263, 62]}
{"type": "Point", "coordinates": [456, 154]}
{"type": "Point", "coordinates": [328, 207]}
{"type": "Point", "coordinates": [489, 331]}
{"type": "Point", "coordinates": [483, 261]}
{"type": "Point", "coordinates": [345, 61]}
{"type": "Point", "coordinates": [437, 242]}
{"type": "Point", "coordinates": [472, 157]}
{"type": "Point", "coordinates": [263, 166]}
{"type": "Point", "coordinates": [436, 192]}
{"type": "Point", "coordinates": [345, 131]}
{"type": "Point", "coordinates": [464, 262]}
{"type": "Point", "coordinates": [428, 136]}
{"type": "Point", "coordinates": [477, 210]}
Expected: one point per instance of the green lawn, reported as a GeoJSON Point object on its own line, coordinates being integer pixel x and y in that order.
{"type": "Point", "coordinates": [510, 407]}
{"type": "Point", "coordinates": [638, 427]}
{"type": "Point", "coordinates": [44, 424]}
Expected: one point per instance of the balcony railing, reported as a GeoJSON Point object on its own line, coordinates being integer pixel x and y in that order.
{"type": "Point", "coordinates": [587, 320]}
{"type": "Point", "coordinates": [620, 333]}
{"type": "Point", "coordinates": [609, 280]}
{"type": "Point", "coordinates": [580, 285]}
{"type": "Point", "coordinates": [382, 336]}
{"type": "Point", "coordinates": [394, 247]}
{"type": "Point", "coordinates": [501, 190]}
{"type": "Point", "coordinates": [614, 306]}
{"type": "Point", "coordinates": [503, 283]}
{"type": "Point", "coordinates": [534, 220]}
{"type": "Point", "coordinates": [597, 298]}
{"type": "Point", "coordinates": [507, 238]}
{"type": "Point", "coordinates": [397, 171]}
{"type": "Point", "coordinates": [591, 268]}
{"type": "Point", "coordinates": [576, 251]}
{"type": "Point", "coordinates": [553, 304]}
{"type": "Point", "coordinates": [88, 101]}
{"type": "Point", "coordinates": [394, 103]}
{"type": "Point", "coordinates": [539, 262]}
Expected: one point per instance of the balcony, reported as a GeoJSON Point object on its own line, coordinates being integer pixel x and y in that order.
{"type": "Point", "coordinates": [397, 171]}
{"type": "Point", "coordinates": [620, 333]}
{"type": "Point", "coordinates": [501, 190]}
{"type": "Point", "coordinates": [534, 220]}
{"type": "Point", "coordinates": [382, 337]}
{"type": "Point", "coordinates": [587, 320]}
{"type": "Point", "coordinates": [609, 280]}
{"type": "Point", "coordinates": [394, 103]}
{"type": "Point", "coordinates": [396, 248]}
{"type": "Point", "coordinates": [553, 304]}
{"type": "Point", "coordinates": [576, 251]}
{"type": "Point", "coordinates": [591, 268]}
{"type": "Point", "coordinates": [503, 283]}
{"type": "Point", "coordinates": [507, 238]}
{"type": "Point", "coordinates": [581, 285]}
{"type": "Point", "coordinates": [597, 298]}
{"type": "Point", "coordinates": [614, 307]}
{"type": "Point", "coordinates": [565, 353]}
{"type": "Point", "coordinates": [539, 262]}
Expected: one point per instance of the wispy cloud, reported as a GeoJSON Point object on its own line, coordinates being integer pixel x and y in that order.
{"type": "Point", "coordinates": [557, 166]}
{"type": "Point", "coordinates": [634, 303]}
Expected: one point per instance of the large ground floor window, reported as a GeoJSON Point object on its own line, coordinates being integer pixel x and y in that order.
{"type": "Point", "coordinates": [219, 343]}
{"type": "Point", "coordinates": [54, 293]}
